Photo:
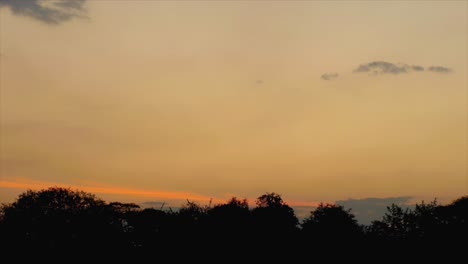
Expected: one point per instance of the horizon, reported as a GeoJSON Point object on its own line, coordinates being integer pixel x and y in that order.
{"type": "Point", "coordinates": [365, 210]}
{"type": "Point", "coordinates": [154, 101]}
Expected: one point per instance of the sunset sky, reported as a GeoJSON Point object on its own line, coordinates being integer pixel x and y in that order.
{"type": "Point", "coordinates": [152, 101]}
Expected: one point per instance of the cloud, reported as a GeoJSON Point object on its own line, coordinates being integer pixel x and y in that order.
{"type": "Point", "coordinates": [439, 69]}
{"type": "Point", "coordinates": [51, 12]}
{"type": "Point", "coordinates": [384, 67]}
{"type": "Point", "coordinates": [369, 209]}
{"type": "Point", "coordinates": [329, 76]}
{"type": "Point", "coordinates": [417, 68]}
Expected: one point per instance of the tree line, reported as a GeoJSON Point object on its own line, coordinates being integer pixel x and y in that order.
{"type": "Point", "coordinates": [64, 220]}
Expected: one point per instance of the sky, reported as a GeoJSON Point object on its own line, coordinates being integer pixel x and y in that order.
{"type": "Point", "coordinates": [161, 101]}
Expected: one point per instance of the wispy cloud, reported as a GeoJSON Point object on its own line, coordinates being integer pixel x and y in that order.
{"type": "Point", "coordinates": [51, 12]}
{"type": "Point", "coordinates": [440, 69]}
{"type": "Point", "coordinates": [329, 76]}
{"type": "Point", "coordinates": [417, 68]}
{"type": "Point", "coordinates": [384, 67]}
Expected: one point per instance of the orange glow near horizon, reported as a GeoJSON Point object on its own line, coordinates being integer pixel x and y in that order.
{"type": "Point", "coordinates": [27, 184]}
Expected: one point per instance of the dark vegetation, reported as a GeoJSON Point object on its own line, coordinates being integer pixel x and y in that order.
{"type": "Point", "coordinates": [59, 220]}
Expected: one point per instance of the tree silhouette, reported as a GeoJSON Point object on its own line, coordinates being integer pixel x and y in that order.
{"type": "Point", "coordinates": [424, 221]}
{"type": "Point", "coordinates": [231, 218]}
{"type": "Point", "coordinates": [270, 200]}
{"type": "Point", "coordinates": [454, 219]}
{"type": "Point", "coordinates": [274, 215]}
{"type": "Point", "coordinates": [331, 222]}
{"type": "Point", "coordinates": [395, 224]}
{"type": "Point", "coordinates": [458, 211]}
{"type": "Point", "coordinates": [275, 225]}
{"type": "Point", "coordinates": [192, 216]}
{"type": "Point", "coordinates": [149, 228]}
{"type": "Point", "coordinates": [60, 218]}
{"type": "Point", "coordinates": [76, 222]}
{"type": "Point", "coordinates": [228, 225]}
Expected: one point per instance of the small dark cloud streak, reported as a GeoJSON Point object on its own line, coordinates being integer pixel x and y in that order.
{"type": "Point", "coordinates": [417, 68]}
{"type": "Point", "coordinates": [329, 76]}
{"type": "Point", "coordinates": [439, 69]}
{"type": "Point", "coordinates": [49, 12]}
{"type": "Point", "coordinates": [384, 67]}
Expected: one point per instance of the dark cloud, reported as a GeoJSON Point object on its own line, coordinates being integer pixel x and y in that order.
{"type": "Point", "coordinates": [369, 209]}
{"type": "Point", "coordinates": [384, 67]}
{"type": "Point", "coordinates": [74, 4]}
{"type": "Point", "coordinates": [417, 68]}
{"type": "Point", "coordinates": [439, 69]}
{"type": "Point", "coordinates": [329, 76]}
{"type": "Point", "coordinates": [50, 12]}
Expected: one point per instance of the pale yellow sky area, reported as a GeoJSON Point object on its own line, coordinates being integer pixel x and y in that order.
{"type": "Point", "coordinates": [217, 99]}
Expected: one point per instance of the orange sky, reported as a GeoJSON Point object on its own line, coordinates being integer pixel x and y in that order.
{"type": "Point", "coordinates": [158, 100]}
{"type": "Point", "coordinates": [111, 193]}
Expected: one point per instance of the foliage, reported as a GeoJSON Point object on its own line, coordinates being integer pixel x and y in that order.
{"type": "Point", "coordinates": [272, 215]}
{"type": "Point", "coordinates": [332, 221]}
